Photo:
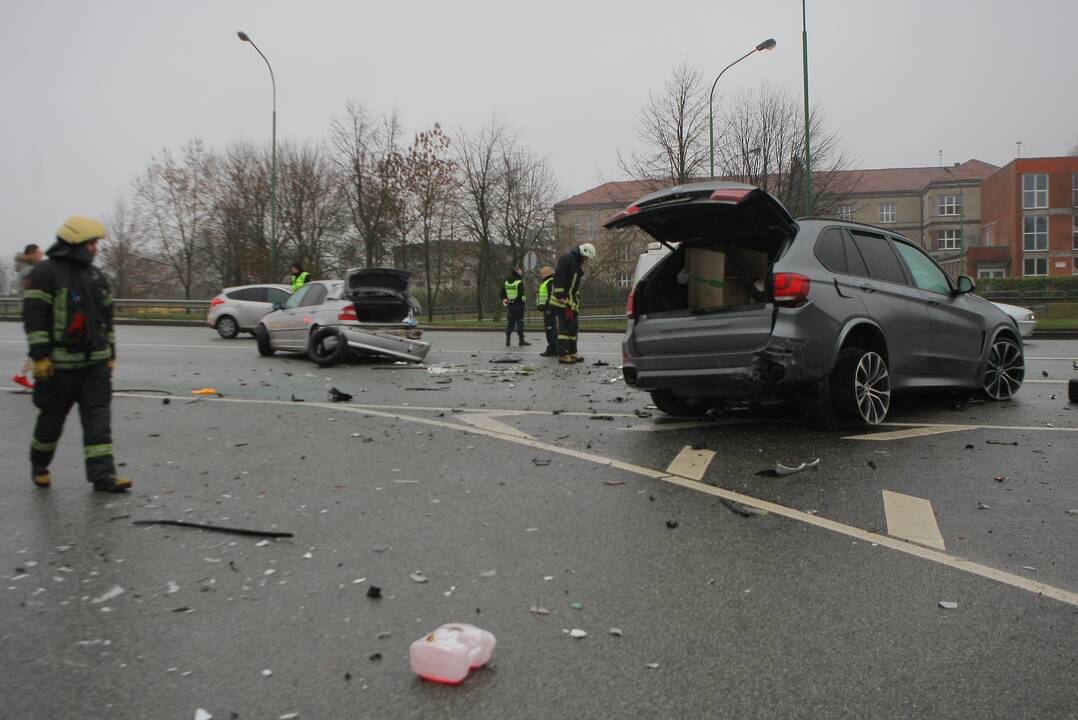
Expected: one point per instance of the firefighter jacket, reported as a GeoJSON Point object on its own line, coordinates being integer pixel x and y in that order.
{"type": "Point", "coordinates": [67, 310]}
{"type": "Point", "coordinates": [566, 285]}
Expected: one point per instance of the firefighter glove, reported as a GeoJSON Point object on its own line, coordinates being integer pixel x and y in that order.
{"type": "Point", "coordinates": [43, 369]}
{"type": "Point", "coordinates": [112, 364]}
{"type": "Point", "coordinates": [568, 313]}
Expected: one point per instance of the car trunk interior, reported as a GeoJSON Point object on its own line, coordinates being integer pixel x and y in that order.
{"type": "Point", "coordinates": [714, 268]}
{"type": "Point", "coordinates": [373, 307]}
{"type": "Point", "coordinates": [379, 295]}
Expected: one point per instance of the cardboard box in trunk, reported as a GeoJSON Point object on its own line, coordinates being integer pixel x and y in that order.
{"type": "Point", "coordinates": [723, 278]}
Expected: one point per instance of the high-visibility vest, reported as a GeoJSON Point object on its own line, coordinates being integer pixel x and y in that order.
{"type": "Point", "coordinates": [300, 280]}
{"type": "Point", "coordinates": [513, 290]}
{"type": "Point", "coordinates": [544, 291]}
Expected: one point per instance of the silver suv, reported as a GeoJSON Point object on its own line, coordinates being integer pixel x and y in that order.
{"type": "Point", "coordinates": [238, 309]}
{"type": "Point", "coordinates": [751, 304]}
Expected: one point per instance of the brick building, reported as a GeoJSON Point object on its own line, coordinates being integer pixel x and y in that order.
{"type": "Point", "coordinates": [1029, 220]}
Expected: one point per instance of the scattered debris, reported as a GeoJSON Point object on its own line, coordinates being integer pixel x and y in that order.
{"type": "Point", "coordinates": [336, 395]}
{"type": "Point", "coordinates": [577, 633]}
{"type": "Point", "coordinates": [216, 528]}
{"type": "Point", "coordinates": [982, 506]}
{"type": "Point", "coordinates": [742, 510]}
{"type": "Point", "coordinates": [384, 635]}
{"type": "Point", "coordinates": [267, 672]}
{"type": "Point", "coordinates": [374, 592]}
{"type": "Point", "coordinates": [1044, 373]}
{"type": "Point", "coordinates": [112, 592]}
{"type": "Point", "coordinates": [1072, 512]}
{"type": "Point", "coordinates": [1029, 567]}
{"type": "Point", "coordinates": [651, 666]}
{"type": "Point", "coordinates": [538, 610]}
{"type": "Point", "coordinates": [600, 363]}
{"type": "Point", "coordinates": [601, 417]}
{"type": "Point", "coordinates": [201, 714]}
{"type": "Point", "coordinates": [450, 652]}
{"type": "Point", "coordinates": [948, 605]}
{"type": "Point", "coordinates": [672, 524]}
{"type": "Point", "coordinates": [288, 716]}
{"type": "Point", "coordinates": [375, 657]}
{"type": "Point", "coordinates": [418, 577]}
{"type": "Point", "coordinates": [296, 399]}
{"type": "Point", "coordinates": [1001, 442]}
{"type": "Point", "coordinates": [643, 414]}
{"type": "Point", "coordinates": [541, 462]}
{"type": "Point", "coordinates": [615, 482]}
{"type": "Point", "coordinates": [381, 548]}
{"type": "Point", "coordinates": [969, 446]}
{"type": "Point", "coordinates": [1001, 478]}
{"type": "Point", "coordinates": [782, 470]}
{"type": "Point", "coordinates": [576, 605]}
{"type": "Point", "coordinates": [206, 391]}
{"type": "Point", "coordinates": [507, 359]}
{"type": "Point", "coordinates": [488, 573]}
{"type": "Point", "coordinates": [872, 464]}
{"type": "Point", "coordinates": [616, 632]}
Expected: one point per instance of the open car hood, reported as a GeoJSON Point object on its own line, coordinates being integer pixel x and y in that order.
{"type": "Point", "coordinates": [700, 211]}
{"type": "Point", "coordinates": [367, 281]}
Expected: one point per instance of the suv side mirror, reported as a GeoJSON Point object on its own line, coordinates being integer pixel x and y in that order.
{"type": "Point", "coordinates": [965, 284]}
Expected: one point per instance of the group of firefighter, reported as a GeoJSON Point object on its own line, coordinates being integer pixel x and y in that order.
{"type": "Point", "coordinates": [558, 299]}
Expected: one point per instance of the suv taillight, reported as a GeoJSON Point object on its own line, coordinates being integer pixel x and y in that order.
{"type": "Point", "coordinates": [219, 300]}
{"type": "Point", "coordinates": [348, 312]}
{"type": "Point", "coordinates": [790, 289]}
{"type": "Point", "coordinates": [630, 304]}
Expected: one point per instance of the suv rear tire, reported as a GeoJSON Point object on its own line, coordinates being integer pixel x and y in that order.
{"type": "Point", "coordinates": [682, 407]}
{"type": "Point", "coordinates": [334, 353]}
{"type": "Point", "coordinates": [263, 341]}
{"type": "Point", "coordinates": [227, 327]}
{"type": "Point", "coordinates": [857, 393]}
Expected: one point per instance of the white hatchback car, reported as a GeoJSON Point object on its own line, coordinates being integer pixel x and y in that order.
{"type": "Point", "coordinates": [238, 309]}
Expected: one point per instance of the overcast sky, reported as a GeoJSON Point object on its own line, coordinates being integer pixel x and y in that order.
{"type": "Point", "coordinates": [91, 90]}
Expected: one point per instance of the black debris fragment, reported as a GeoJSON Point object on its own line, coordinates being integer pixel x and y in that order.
{"type": "Point", "coordinates": [296, 399]}
{"type": "Point", "coordinates": [742, 510]}
{"type": "Point", "coordinates": [969, 446]}
{"type": "Point", "coordinates": [643, 414]}
{"type": "Point", "coordinates": [216, 528]}
{"type": "Point", "coordinates": [1001, 442]}
{"type": "Point", "coordinates": [165, 401]}
{"type": "Point", "coordinates": [375, 657]}
{"type": "Point", "coordinates": [541, 462]}
{"type": "Point", "coordinates": [374, 592]}
{"type": "Point", "coordinates": [872, 464]}
{"type": "Point", "coordinates": [336, 395]}
{"type": "Point", "coordinates": [672, 524]}
{"type": "Point", "coordinates": [601, 417]}
{"type": "Point", "coordinates": [600, 363]}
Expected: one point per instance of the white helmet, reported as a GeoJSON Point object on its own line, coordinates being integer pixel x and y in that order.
{"type": "Point", "coordinates": [587, 250]}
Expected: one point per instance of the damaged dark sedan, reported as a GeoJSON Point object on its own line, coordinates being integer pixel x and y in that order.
{"type": "Point", "coordinates": [752, 305]}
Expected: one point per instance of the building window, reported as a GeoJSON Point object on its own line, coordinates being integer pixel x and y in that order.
{"type": "Point", "coordinates": [887, 212]}
{"type": "Point", "coordinates": [988, 235]}
{"type": "Point", "coordinates": [625, 252]}
{"type": "Point", "coordinates": [1034, 233]}
{"type": "Point", "coordinates": [950, 205]}
{"type": "Point", "coordinates": [845, 212]}
{"type": "Point", "coordinates": [1035, 265]}
{"type": "Point", "coordinates": [625, 280]}
{"type": "Point", "coordinates": [576, 232]}
{"type": "Point", "coordinates": [1034, 191]}
{"type": "Point", "coordinates": [948, 240]}
{"type": "Point", "coordinates": [591, 229]}
{"type": "Point", "coordinates": [991, 272]}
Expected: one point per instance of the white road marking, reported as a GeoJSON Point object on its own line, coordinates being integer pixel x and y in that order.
{"type": "Point", "coordinates": [1049, 358]}
{"type": "Point", "coordinates": [691, 463]}
{"type": "Point", "coordinates": [936, 556]}
{"type": "Point", "coordinates": [488, 421]}
{"type": "Point", "coordinates": [911, 518]}
{"type": "Point", "coordinates": [913, 432]}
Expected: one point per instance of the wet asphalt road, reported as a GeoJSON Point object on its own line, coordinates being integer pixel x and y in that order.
{"type": "Point", "coordinates": [759, 616]}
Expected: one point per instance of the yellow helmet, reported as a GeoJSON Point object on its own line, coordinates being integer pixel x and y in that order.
{"type": "Point", "coordinates": [79, 229]}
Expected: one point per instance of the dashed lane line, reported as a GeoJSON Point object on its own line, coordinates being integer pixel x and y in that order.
{"type": "Point", "coordinates": [911, 518]}
{"type": "Point", "coordinates": [908, 548]}
{"type": "Point", "coordinates": [912, 432]}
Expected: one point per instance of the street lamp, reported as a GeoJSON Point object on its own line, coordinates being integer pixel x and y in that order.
{"type": "Point", "coordinates": [273, 162]}
{"type": "Point", "coordinates": [765, 45]}
{"type": "Point", "coordinates": [961, 204]}
{"type": "Point", "coordinates": [805, 72]}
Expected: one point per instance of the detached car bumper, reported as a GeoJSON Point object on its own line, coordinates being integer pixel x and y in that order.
{"type": "Point", "coordinates": [402, 344]}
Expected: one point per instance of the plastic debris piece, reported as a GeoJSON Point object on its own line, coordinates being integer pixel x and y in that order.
{"type": "Point", "coordinates": [112, 592]}
{"type": "Point", "coordinates": [651, 666]}
{"type": "Point", "coordinates": [385, 634]}
{"type": "Point", "coordinates": [672, 524]}
{"type": "Point", "coordinates": [601, 417]}
{"type": "Point", "coordinates": [488, 573]}
{"type": "Point", "coordinates": [296, 399]}
{"type": "Point", "coordinates": [948, 605]}
{"type": "Point", "coordinates": [616, 632]}
{"type": "Point", "coordinates": [576, 605]}
{"type": "Point", "coordinates": [783, 470]}
{"type": "Point", "coordinates": [374, 592]}
{"type": "Point", "coordinates": [336, 395]}
{"type": "Point", "coordinates": [205, 391]}
{"type": "Point", "coordinates": [742, 510]}
{"type": "Point", "coordinates": [418, 577]}
{"type": "Point", "coordinates": [1029, 567]}
{"type": "Point", "coordinates": [381, 548]}
{"type": "Point", "coordinates": [201, 714]}
{"type": "Point", "coordinates": [288, 716]}
{"type": "Point", "coordinates": [216, 528]}
{"type": "Point", "coordinates": [540, 462]}
{"type": "Point", "coordinates": [262, 543]}
{"type": "Point", "coordinates": [600, 363]}
{"type": "Point", "coordinates": [507, 359]}
{"type": "Point", "coordinates": [375, 657]}
{"type": "Point", "coordinates": [615, 482]}
{"type": "Point", "coordinates": [1072, 512]}
{"type": "Point", "coordinates": [267, 672]}
{"type": "Point", "coordinates": [447, 654]}
{"type": "Point", "coordinates": [1001, 442]}
{"type": "Point", "coordinates": [538, 610]}
{"type": "Point", "coordinates": [872, 464]}
{"type": "Point", "coordinates": [982, 506]}
{"type": "Point", "coordinates": [1001, 478]}
{"type": "Point", "coordinates": [578, 634]}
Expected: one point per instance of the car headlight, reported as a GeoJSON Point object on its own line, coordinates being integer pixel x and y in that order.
{"type": "Point", "coordinates": [1030, 316]}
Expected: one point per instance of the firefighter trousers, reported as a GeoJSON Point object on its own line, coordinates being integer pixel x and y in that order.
{"type": "Point", "coordinates": [91, 388]}
{"type": "Point", "coordinates": [567, 330]}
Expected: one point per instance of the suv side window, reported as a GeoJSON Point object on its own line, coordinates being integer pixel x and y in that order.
{"type": "Point", "coordinates": [879, 257]}
{"type": "Point", "coordinates": [315, 296]}
{"type": "Point", "coordinates": [829, 250]}
{"type": "Point", "coordinates": [926, 274]}
{"type": "Point", "coordinates": [855, 264]}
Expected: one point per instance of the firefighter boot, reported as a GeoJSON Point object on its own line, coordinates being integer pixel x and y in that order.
{"type": "Point", "coordinates": [41, 477]}
{"type": "Point", "coordinates": [113, 484]}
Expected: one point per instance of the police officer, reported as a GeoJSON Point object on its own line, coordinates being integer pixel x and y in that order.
{"type": "Point", "coordinates": [67, 313]}
{"type": "Point", "coordinates": [513, 299]}
{"type": "Point", "coordinates": [299, 276]}
{"type": "Point", "coordinates": [565, 298]}
{"type": "Point", "coordinates": [550, 314]}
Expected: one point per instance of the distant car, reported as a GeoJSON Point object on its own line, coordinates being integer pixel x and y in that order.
{"type": "Point", "coordinates": [238, 309]}
{"type": "Point", "coordinates": [370, 312]}
{"type": "Point", "coordinates": [1027, 321]}
{"type": "Point", "coordinates": [744, 302]}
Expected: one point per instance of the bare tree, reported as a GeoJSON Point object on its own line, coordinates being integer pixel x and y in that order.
{"type": "Point", "coordinates": [429, 175]}
{"type": "Point", "coordinates": [240, 210]}
{"type": "Point", "coordinates": [171, 206]}
{"type": "Point", "coordinates": [480, 180]}
{"type": "Point", "coordinates": [367, 156]}
{"type": "Point", "coordinates": [309, 204]}
{"type": "Point", "coordinates": [673, 133]}
{"type": "Point", "coordinates": [122, 255]}
{"type": "Point", "coordinates": [525, 200]}
{"type": "Point", "coordinates": [762, 142]}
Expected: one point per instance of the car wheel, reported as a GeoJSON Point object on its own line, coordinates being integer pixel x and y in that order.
{"type": "Point", "coordinates": [327, 346]}
{"type": "Point", "coordinates": [858, 391]}
{"type": "Point", "coordinates": [1005, 370]}
{"type": "Point", "coordinates": [1072, 390]}
{"type": "Point", "coordinates": [682, 407]}
{"type": "Point", "coordinates": [262, 339]}
{"type": "Point", "coordinates": [227, 327]}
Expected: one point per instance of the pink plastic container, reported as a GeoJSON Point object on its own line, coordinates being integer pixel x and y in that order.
{"type": "Point", "coordinates": [450, 652]}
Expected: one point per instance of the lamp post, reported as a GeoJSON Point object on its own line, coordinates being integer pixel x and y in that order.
{"type": "Point", "coordinates": [962, 206]}
{"type": "Point", "coordinates": [273, 162]}
{"type": "Point", "coordinates": [805, 72]}
{"type": "Point", "coordinates": [765, 45]}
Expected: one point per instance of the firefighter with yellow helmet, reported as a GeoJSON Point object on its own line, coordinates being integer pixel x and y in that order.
{"type": "Point", "coordinates": [67, 314]}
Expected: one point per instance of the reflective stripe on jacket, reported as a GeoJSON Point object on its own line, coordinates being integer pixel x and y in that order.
{"type": "Point", "coordinates": [544, 291]}
{"type": "Point", "coordinates": [514, 291]}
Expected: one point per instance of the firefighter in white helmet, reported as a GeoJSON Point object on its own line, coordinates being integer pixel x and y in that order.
{"type": "Point", "coordinates": [565, 299]}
